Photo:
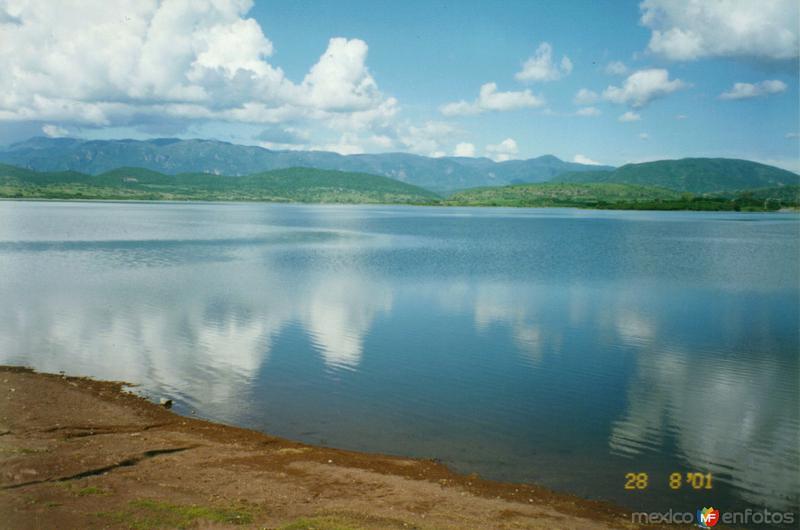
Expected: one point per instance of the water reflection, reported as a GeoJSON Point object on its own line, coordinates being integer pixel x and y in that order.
{"type": "Point", "coordinates": [339, 314]}
{"type": "Point", "coordinates": [483, 340]}
{"type": "Point", "coordinates": [729, 407]}
{"type": "Point", "coordinates": [203, 336]}
{"type": "Point", "coordinates": [515, 307]}
{"type": "Point", "coordinates": [726, 397]}
{"type": "Point", "coordinates": [721, 419]}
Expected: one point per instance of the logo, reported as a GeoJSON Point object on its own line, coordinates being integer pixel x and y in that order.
{"type": "Point", "coordinates": [707, 517]}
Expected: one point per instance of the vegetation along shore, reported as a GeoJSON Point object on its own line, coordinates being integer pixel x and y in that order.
{"type": "Point", "coordinates": [671, 185]}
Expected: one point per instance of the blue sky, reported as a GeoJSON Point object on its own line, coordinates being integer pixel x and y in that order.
{"type": "Point", "coordinates": [407, 76]}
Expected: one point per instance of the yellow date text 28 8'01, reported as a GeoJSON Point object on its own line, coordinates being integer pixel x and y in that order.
{"type": "Point", "coordinates": [694, 480]}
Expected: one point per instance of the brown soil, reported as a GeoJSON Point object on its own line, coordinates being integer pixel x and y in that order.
{"type": "Point", "coordinates": [80, 453]}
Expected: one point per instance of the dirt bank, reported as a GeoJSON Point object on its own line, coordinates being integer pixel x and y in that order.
{"type": "Point", "coordinates": [79, 453]}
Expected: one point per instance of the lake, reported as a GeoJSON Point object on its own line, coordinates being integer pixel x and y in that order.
{"type": "Point", "coordinates": [560, 347]}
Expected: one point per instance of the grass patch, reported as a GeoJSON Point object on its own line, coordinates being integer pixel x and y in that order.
{"type": "Point", "coordinates": [324, 522]}
{"type": "Point", "coordinates": [91, 490]}
{"type": "Point", "coordinates": [344, 522]}
{"type": "Point", "coordinates": [148, 513]}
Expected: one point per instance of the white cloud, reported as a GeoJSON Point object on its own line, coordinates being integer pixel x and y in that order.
{"type": "Point", "coordinates": [464, 149]}
{"type": "Point", "coordinates": [426, 139]}
{"type": "Point", "coordinates": [460, 108]}
{"type": "Point", "coordinates": [616, 68]}
{"type": "Point", "coordinates": [540, 66]}
{"type": "Point", "coordinates": [694, 29]}
{"type": "Point", "coordinates": [580, 159]}
{"type": "Point", "coordinates": [643, 86]}
{"type": "Point", "coordinates": [490, 99]}
{"type": "Point", "coordinates": [790, 135]}
{"type": "Point", "coordinates": [378, 118]}
{"type": "Point", "coordinates": [347, 144]}
{"type": "Point", "coordinates": [588, 112]}
{"type": "Point", "coordinates": [681, 117]}
{"type": "Point", "coordinates": [749, 90]}
{"type": "Point", "coordinates": [644, 136]}
{"type": "Point", "coordinates": [585, 96]}
{"type": "Point", "coordinates": [340, 79]}
{"type": "Point", "coordinates": [54, 131]}
{"type": "Point", "coordinates": [503, 151]}
{"type": "Point", "coordinates": [629, 116]}
{"type": "Point", "coordinates": [123, 62]}
{"type": "Point", "coordinates": [86, 63]}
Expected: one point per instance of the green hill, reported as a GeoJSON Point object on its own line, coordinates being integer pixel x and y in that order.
{"type": "Point", "coordinates": [695, 175]}
{"type": "Point", "coordinates": [614, 196]}
{"type": "Point", "coordinates": [324, 186]}
{"type": "Point", "coordinates": [558, 194]}
{"type": "Point", "coordinates": [284, 185]}
{"type": "Point", "coordinates": [788, 194]}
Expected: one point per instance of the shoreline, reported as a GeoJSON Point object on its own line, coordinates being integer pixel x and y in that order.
{"type": "Point", "coordinates": [788, 210]}
{"type": "Point", "coordinates": [78, 452]}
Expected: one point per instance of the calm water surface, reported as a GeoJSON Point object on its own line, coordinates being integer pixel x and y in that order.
{"type": "Point", "coordinates": [559, 347]}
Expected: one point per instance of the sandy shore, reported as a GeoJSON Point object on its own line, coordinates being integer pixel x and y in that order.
{"type": "Point", "coordinates": [79, 453]}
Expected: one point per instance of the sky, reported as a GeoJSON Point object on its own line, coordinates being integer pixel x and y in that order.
{"type": "Point", "coordinates": [606, 82]}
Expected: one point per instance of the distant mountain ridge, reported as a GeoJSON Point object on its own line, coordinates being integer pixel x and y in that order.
{"type": "Point", "coordinates": [280, 185]}
{"type": "Point", "coordinates": [695, 175]}
{"type": "Point", "coordinates": [173, 156]}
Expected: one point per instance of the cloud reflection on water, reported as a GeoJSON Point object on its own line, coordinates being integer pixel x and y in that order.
{"type": "Point", "coordinates": [673, 368]}
{"type": "Point", "coordinates": [203, 336]}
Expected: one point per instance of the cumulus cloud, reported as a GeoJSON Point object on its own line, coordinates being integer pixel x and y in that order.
{"type": "Point", "coordinates": [540, 66]}
{"type": "Point", "coordinates": [464, 149]}
{"type": "Point", "coordinates": [490, 99]}
{"type": "Point", "coordinates": [503, 151]}
{"type": "Point", "coordinates": [644, 136]}
{"type": "Point", "coordinates": [791, 135]}
{"type": "Point", "coordinates": [54, 131]}
{"type": "Point", "coordinates": [749, 90]}
{"type": "Point", "coordinates": [629, 116]}
{"type": "Point", "coordinates": [122, 62]}
{"type": "Point", "coordinates": [588, 112]}
{"type": "Point", "coordinates": [642, 87]}
{"type": "Point", "coordinates": [616, 68]}
{"type": "Point", "coordinates": [426, 139]}
{"type": "Point", "coordinates": [681, 117]}
{"type": "Point", "coordinates": [347, 144]}
{"type": "Point", "coordinates": [580, 159]}
{"type": "Point", "coordinates": [585, 96]}
{"type": "Point", "coordinates": [340, 79]}
{"type": "Point", "coordinates": [695, 29]}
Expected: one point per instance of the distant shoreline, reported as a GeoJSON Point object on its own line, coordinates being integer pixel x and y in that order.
{"type": "Point", "coordinates": [87, 452]}
{"type": "Point", "coordinates": [692, 185]}
{"type": "Point", "coordinates": [440, 205]}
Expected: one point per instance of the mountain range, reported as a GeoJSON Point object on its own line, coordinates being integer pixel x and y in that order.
{"type": "Point", "coordinates": [174, 156]}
